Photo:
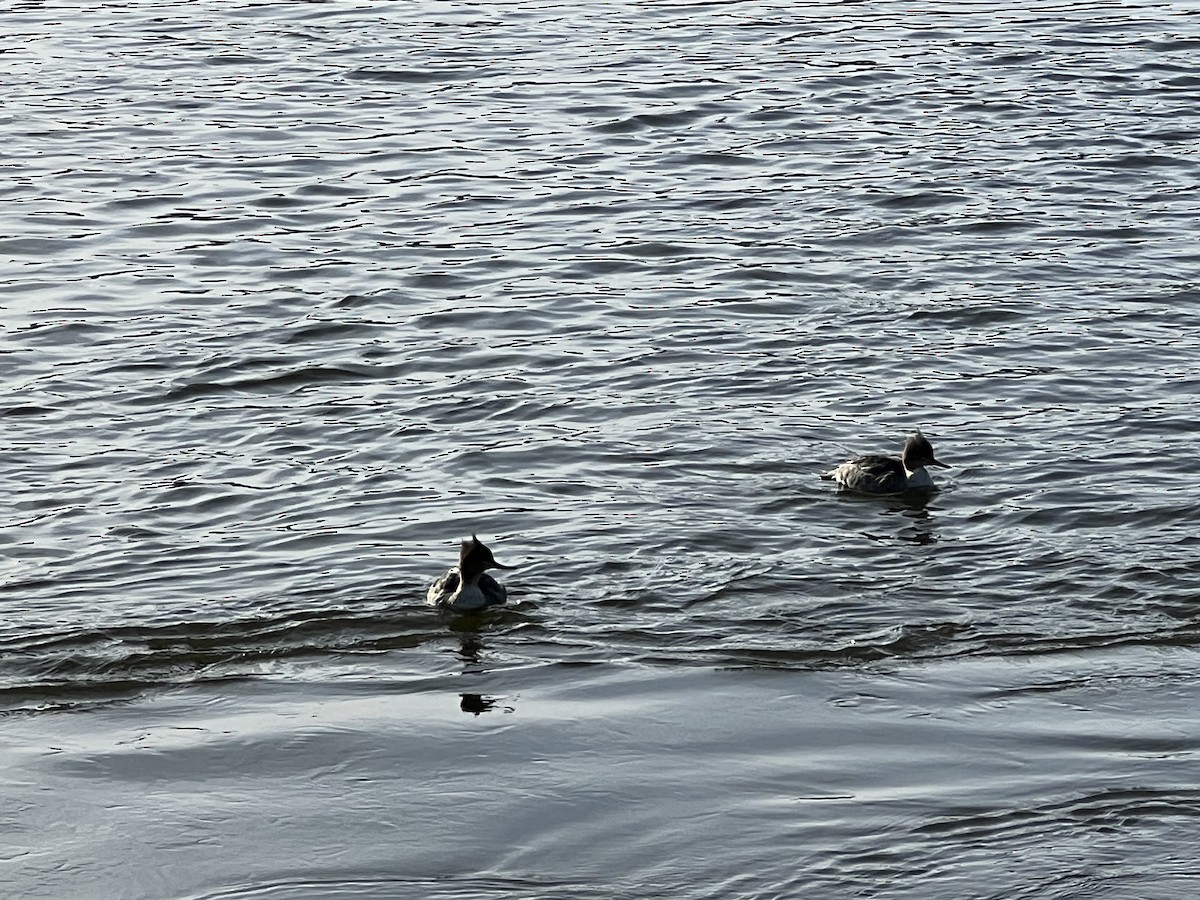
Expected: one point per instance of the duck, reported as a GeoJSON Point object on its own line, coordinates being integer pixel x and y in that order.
{"type": "Point", "coordinates": [879, 474]}
{"type": "Point", "coordinates": [467, 587]}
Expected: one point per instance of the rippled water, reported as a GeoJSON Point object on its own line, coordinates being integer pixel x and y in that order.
{"type": "Point", "coordinates": [296, 295]}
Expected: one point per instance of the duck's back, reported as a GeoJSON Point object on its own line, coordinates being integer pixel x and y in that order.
{"type": "Point", "coordinates": [872, 474]}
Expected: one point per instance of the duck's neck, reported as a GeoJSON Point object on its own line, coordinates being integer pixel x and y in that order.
{"type": "Point", "coordinates": [469, 595]}
{"type": "Point", "coordinates": [918, 477]}
{"type": "Point", "coordinates": [469, 575]}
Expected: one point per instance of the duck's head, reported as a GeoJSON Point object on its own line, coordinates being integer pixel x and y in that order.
{"type": "Point", "coordinates": [474, 558]}
{"type": "Point", "coordinates": [918, 453]}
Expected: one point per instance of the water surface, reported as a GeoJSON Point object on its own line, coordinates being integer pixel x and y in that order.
{"type": "Point", "coordinates": [298, 295]}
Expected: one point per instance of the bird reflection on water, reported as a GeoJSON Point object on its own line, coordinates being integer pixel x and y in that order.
{"type": "Point", "coordinates": [469, 647]}
{"type": "Point", "coordinates": [921, 528]}
{"type": "Point", "coordinates": [475, 703]}
{"type": "Point", "coordinates": [478, 704]}
{"type": "Point", "coordinates": [470, 651]}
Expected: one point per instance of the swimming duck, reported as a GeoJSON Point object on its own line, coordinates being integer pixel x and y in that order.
{"type": "Point", "coordinates": [467, 587]}
{"type": "Point", "coordinates": [879, 474]}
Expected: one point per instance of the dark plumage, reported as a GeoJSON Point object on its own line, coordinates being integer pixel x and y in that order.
{"type": "Point", "coordinates": [879, 474]}
{"type": "Point", "coordinates": [468, 587]}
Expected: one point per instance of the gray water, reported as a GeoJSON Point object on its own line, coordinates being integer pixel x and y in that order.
{"type": "Point", "coordinates": [297, 295]}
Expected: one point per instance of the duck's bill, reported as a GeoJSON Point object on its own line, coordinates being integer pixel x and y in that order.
{"type": "Point", "coordinates": [497, 565]}
{"type": "Point", "coordinates": [934, 462]}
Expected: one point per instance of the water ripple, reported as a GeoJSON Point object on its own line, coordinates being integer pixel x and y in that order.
{"type": "Point", "coordinates": [296, 296]}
